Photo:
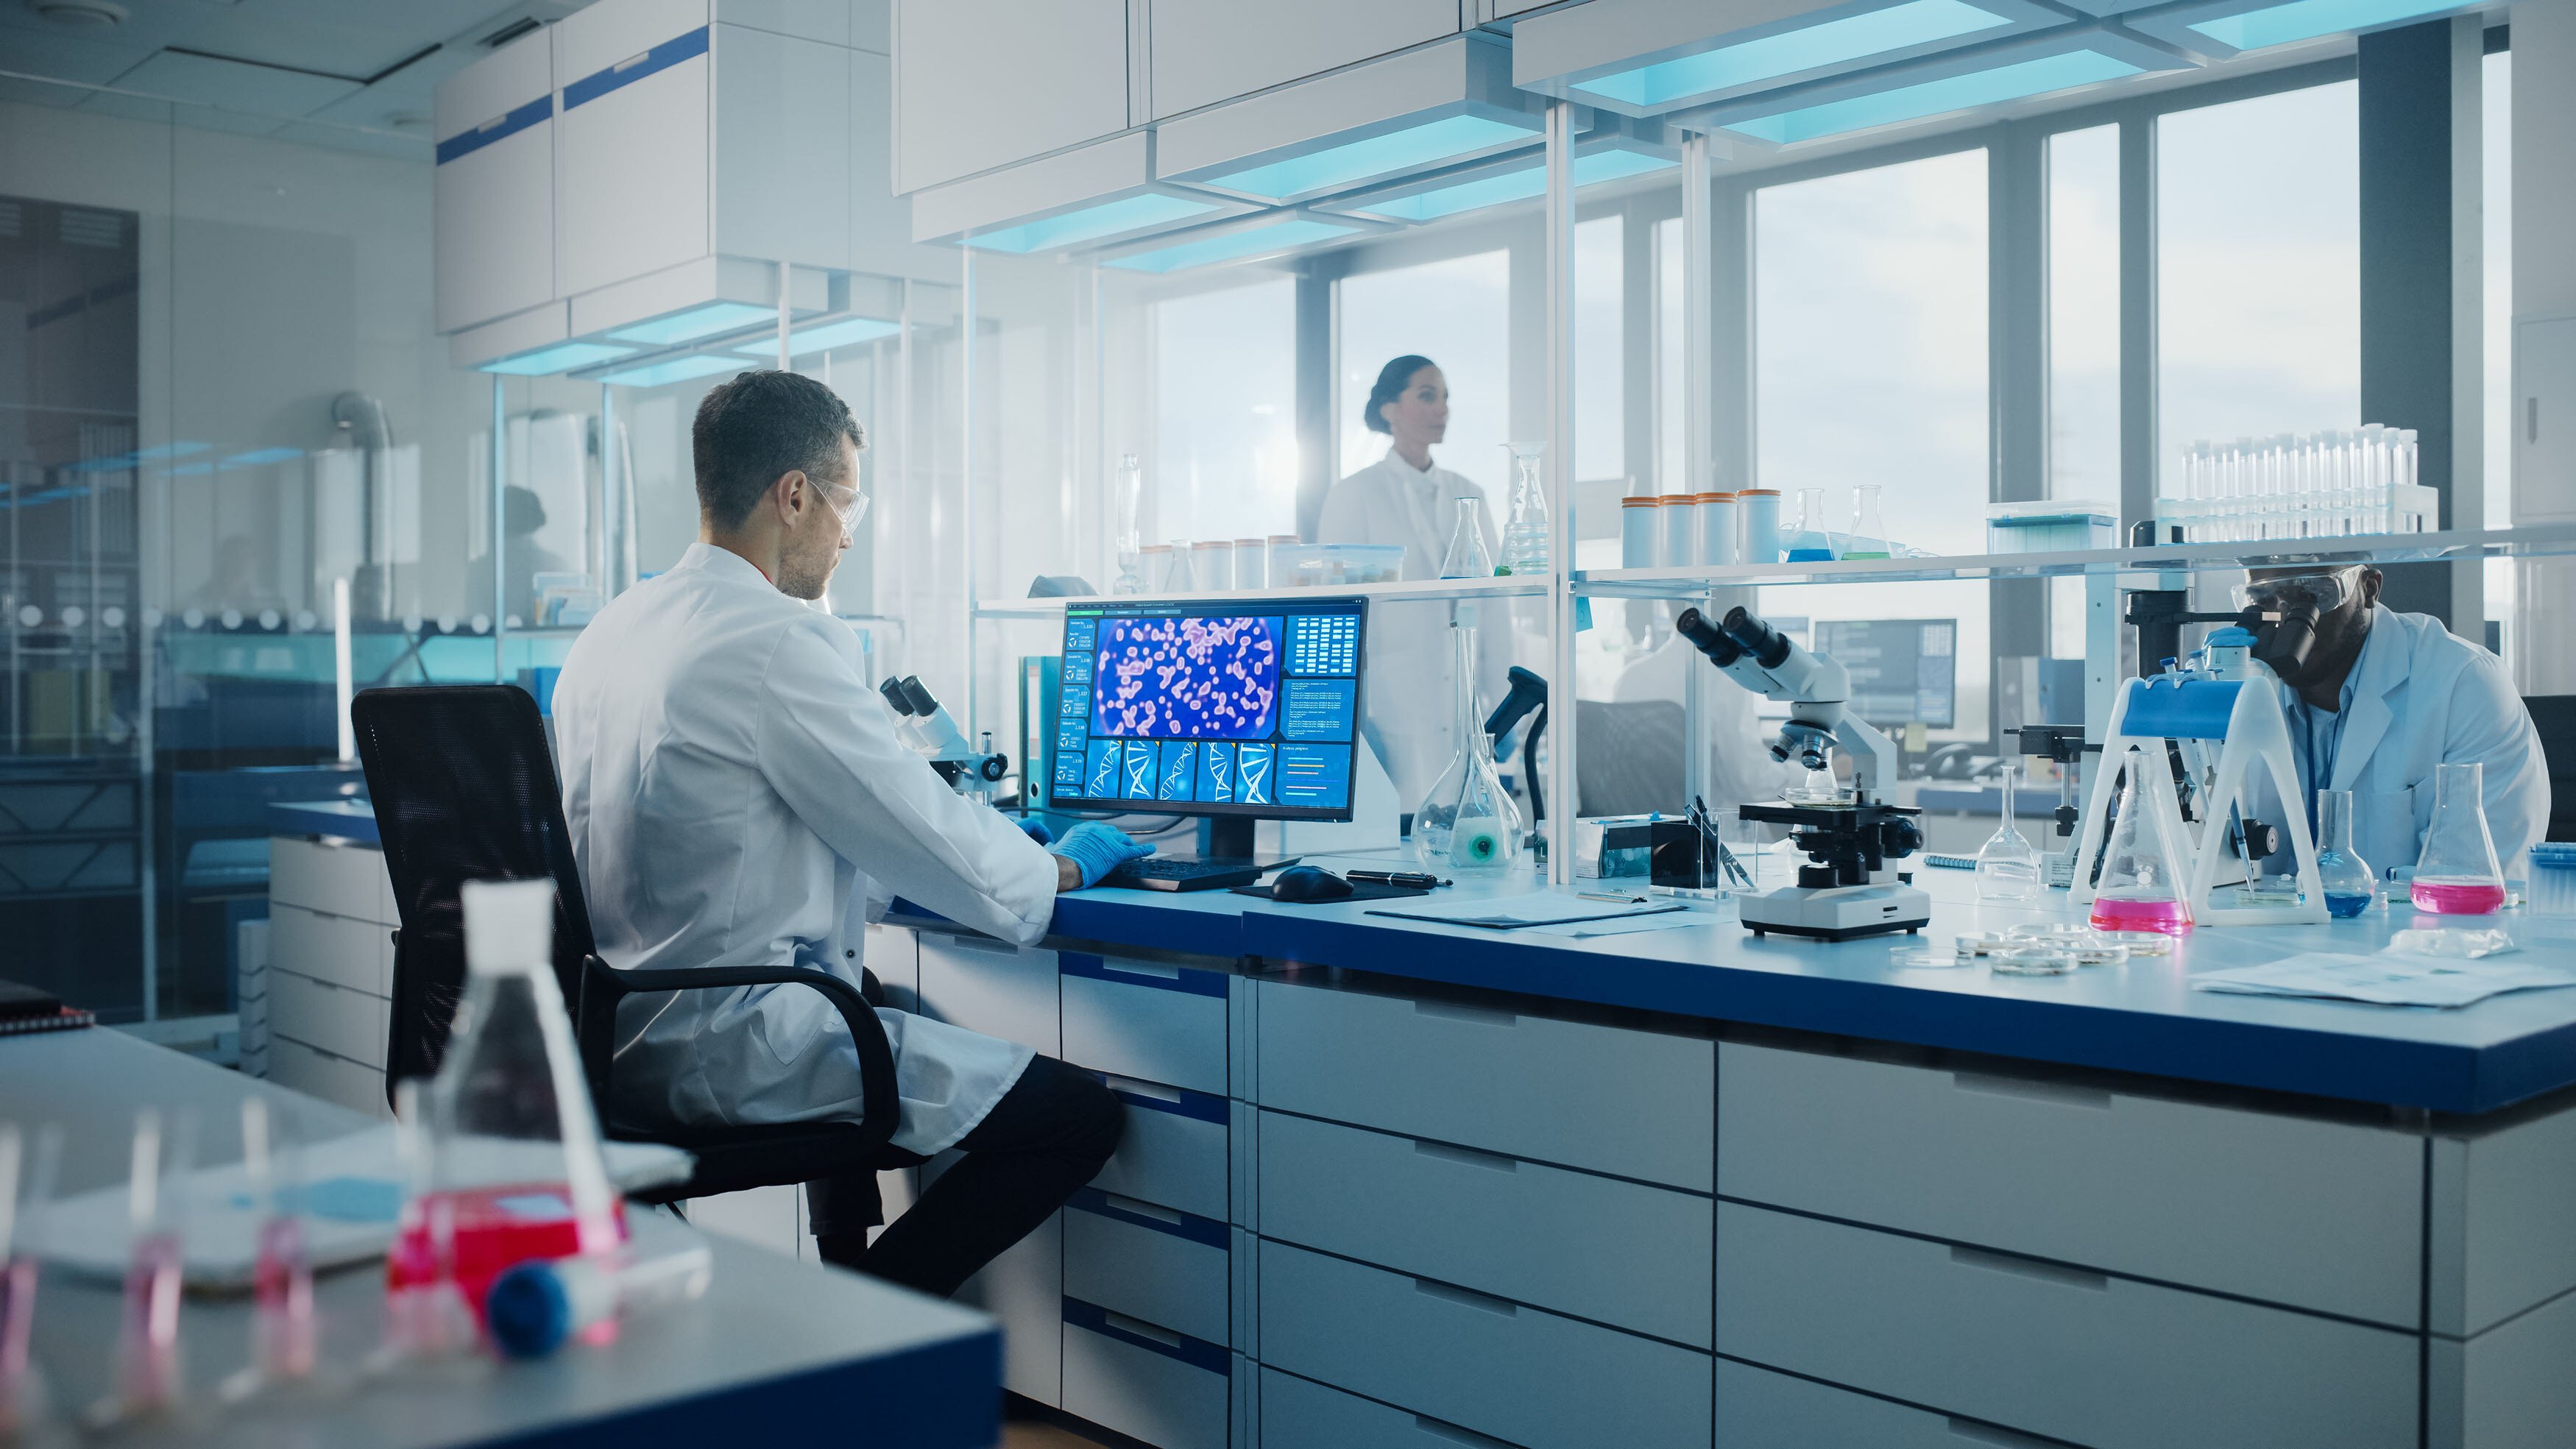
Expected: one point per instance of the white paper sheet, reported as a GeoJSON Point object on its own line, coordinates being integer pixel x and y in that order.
{"type": "Point", "coordinates": [2386, 979]}
{"type": "Point", "coordinates": [1527, 910]}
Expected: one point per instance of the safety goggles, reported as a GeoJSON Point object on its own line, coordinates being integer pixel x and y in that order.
{"type": "Point", "coordinates": [2323, 591]}
{"type": "Point", "coordinates": [850, 520]}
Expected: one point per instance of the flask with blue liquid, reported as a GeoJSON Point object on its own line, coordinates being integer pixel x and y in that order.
{"type": "Point", "coordinates": [2350, 886]}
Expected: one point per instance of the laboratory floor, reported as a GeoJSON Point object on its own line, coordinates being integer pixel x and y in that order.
{"type": "Point", "coordinates": [1027, 1424]}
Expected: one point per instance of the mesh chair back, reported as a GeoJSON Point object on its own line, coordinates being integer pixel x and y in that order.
{"type": "Point", "coordinates": [464, 789]}
{"type": "Point", "coordinates": [1631, 761]}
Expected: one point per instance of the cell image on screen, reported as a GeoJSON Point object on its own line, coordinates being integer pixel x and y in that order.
{"type": "Point", "coordinates": [1186, 678]}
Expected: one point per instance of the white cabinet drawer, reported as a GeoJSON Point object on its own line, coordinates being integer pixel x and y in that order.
{"type": "Point", "coordinates": [1173, 1151]}
{"type": "Point", "coordinates": [2297, 1210]}
{"type": "Point", "coordinates": [1168, 1268]}
{"type": "Point", "coordinates": [991, 986]}
{"type": "Point", "coordinates": [1517, 1373]}
{"type": "Point", "coordinates": [1600, 1248]}
{"type": "Point", "coordinates": [1168, 1389]}
{"type": "Point", "coordinates": [1758, 1409]}
{"type": "Point", "coordinates": [340, 1021]}
{"type": "Point", "coordinates": [2056, 1351]}
{"type": "Point", "coordinates": [353, 1085]}
{"type": "Point", "coordinates": [1145, 1019]}
{"type": "Point", "coordinates": [1635, 1103]}
{"type": "Point", "coordinates": [337, 880]}
{"type": "Point", "coordinates": [355, 954]}
{"type": "Point", "coordinates": [1301, 1414]}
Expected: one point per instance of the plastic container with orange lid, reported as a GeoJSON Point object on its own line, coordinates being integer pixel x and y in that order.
{"type": "Point", "coordinates": [1637, 531]}
{"type": "Point", "coordinates": [1759, 537]}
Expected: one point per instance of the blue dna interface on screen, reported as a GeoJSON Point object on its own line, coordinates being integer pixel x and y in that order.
{"type": "Point", "coordinates": [1167, 707]}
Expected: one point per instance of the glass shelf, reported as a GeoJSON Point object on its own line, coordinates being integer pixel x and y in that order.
{"type": "Point", "coordinates": [1416, 590]}
{"type": "Point", "coordinates": [2529, 541]}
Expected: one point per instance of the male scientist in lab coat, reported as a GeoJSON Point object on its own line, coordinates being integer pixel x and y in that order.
{"type": "Point", "coordinates": [2382, 698]}
{"type": "Point", "coordinates": [736, 794]}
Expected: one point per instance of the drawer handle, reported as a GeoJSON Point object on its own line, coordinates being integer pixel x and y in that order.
{"type": "Point", "coordinates": [1467, 1297]}
{"type": "Point", "coordinates": [1975, 1432]}
{"type": "Point", "coordinates": [2064, 1093]}
{"type": "Point", "coordinates": [2021, 1267]}
{"type": "Point", "coordinates": [1135, 1088]}
{"type": "Point", "coordinates": [1141, 1329]}
{"type": "Point", "coordinates": [1454, 1012]}
{"type": "Point", "coordinates": [981, 945]}
{"type": "Point", "coordinates": [1146, 1209]}
{"type": "Point", "coordinates": [632, 61]}
{"type": "Point", "coordinates": [1492, 1161]}
{"type": "Point", "coordinates": [1141, 968]}
{"type": "Point", "coordinates": [1443, 1429]}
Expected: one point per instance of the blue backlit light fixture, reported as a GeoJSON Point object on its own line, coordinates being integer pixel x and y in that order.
{"type": "Point", "coordinates": [706, 320]}
{"type": "Point", "coordinates": [2227, 27]}
{"type": "Point", "coordinates": [1496, 183]}
{"type": "Point", "coordinates": [673, 369]}
{"type": "Point", "coordinates": [822, 337]}
{"type": "Point", "coordinates": [1349, 163]}
{"type": "Point", "coordinates": [561, 357]}
{"type": "Point", "coordinates": [1146, 211]}
{"type": "Point", "coordinates": [1943, 86]}
{"type": "Point", "coordinates": [1264, 235]}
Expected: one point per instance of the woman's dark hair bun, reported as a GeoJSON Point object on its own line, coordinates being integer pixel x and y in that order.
{"type": "Point", "coordinates": [1392, 380]}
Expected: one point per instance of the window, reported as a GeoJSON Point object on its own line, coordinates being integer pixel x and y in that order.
{"type": "Point", "coordinates": [2258, 253]}
{"type": "Point", "coordinates": [1225, 400]}
{"type": "Point", "coordinates": [1600, 377]}
{"type": "Point", "coordinates": [1456, 312]}
{"type": "Point", "coordinates": [2083, 344]}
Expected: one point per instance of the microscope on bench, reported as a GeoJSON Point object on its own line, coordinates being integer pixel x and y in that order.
{"type": "Point", "coordinates": [924, 724]}
{"type": "Point", "coordinates": [1851, 890]}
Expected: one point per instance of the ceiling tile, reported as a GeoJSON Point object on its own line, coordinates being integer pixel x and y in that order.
{"type": "Point", "coordinates": [38, 93]}
{"type": "Point", "coordinates": [205, 117]}
{"type": "Point", "coordinates": [343, 138]}
{"type": "Point", "coordinates": [96, 56]}
{"type": "Point", "coordinates": [257, 89]}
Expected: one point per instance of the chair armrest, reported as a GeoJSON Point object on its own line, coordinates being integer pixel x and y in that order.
{"type": "Point", "coordinates": [603, 986]}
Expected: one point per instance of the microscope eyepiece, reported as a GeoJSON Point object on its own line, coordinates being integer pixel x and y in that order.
{"type": "Point", "coordinates": [1707, 638]}
{"type": "Point", "coordinates": [1768, 646]}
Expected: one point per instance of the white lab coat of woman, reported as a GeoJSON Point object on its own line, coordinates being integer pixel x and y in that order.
{"type": "Point", "coordinates": [736, 793]}
{"type": "Point", "coordinates": [1406, 690]}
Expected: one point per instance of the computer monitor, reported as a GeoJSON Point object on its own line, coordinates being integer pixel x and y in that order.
{"type": "Point", "coordinates": [1903, 671]}
{"type": "Point", "coordinates": [1249, 713]}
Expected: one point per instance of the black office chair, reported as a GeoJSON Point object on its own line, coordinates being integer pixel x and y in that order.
{"type": "Point", "coordinates": [1631, 760]}
{"type": "Point", "coordinates": [464, 789]}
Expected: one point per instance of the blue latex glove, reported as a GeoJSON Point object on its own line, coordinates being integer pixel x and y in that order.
{"type": "Point", "coordinates": [1036, 829]}
{"type": "Point", "coordinates": [1096, 849]}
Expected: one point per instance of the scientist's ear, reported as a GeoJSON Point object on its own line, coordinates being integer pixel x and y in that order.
{"type": "Point", "coordinates": [791, 496]}
{"type": "Point", "coordinates": [2371, 582]}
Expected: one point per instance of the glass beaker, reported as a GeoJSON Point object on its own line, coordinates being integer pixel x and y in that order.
{"type": "Point", "coordinates": [1525, 536]}
{"type": "Point", "coordinates": [1466, 558]}
{"type": "Point", "coordinates": [2008, 864]}
{"type": "Point", "coordinates": [2457, 874]}
{"type": "Point", "coordinates": [1129, 494]}
{"type": "Point", "coordinates": [1467, 821]}
{"type": "Point", "coordinates": [1809, 542]}
{"type": "Point", "coordinates": [2349, 884]}
{"type": "Point", "coordinates": [1869, 530]}
{"type": "Point", "coordinates": [2142, 867]}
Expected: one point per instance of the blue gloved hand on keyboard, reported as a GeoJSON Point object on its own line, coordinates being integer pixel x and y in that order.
{"type": "Point", "coordinates": [1097, 849]}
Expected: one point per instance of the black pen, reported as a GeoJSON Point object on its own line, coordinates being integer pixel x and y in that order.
{"type": "Point", "coordinates": [1411, 880]}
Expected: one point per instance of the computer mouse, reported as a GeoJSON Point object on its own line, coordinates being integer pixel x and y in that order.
{"type": "Point", "coordinates": [1308, 883]}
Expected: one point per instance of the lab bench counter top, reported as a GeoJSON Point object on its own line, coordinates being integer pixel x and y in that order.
{"type": "Point", "coordinates": [2141, 1017]}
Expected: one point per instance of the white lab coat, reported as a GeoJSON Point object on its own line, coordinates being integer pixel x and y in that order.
{"type": "Point", "coordinates": [2422, 696]}
{"type": "Point", "coordinates": [736, 794]}
{"type": "Point", "coordinates": [1407, 697]}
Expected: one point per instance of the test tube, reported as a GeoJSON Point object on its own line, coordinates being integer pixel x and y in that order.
{"type": "Point", "coordinates": [2408, 455]}
{"type": "Point", "coordinates": [2373, 470]}
{"type": "Point", "coordinates": [26, 1192]}
{"type": "Point", "coordinates": [150, 1375]}
{"type": "Point", "coordinates": [273, 1156]}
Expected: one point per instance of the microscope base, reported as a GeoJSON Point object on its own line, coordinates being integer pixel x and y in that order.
{"type": "Point", "coordinates": [1837, 913]}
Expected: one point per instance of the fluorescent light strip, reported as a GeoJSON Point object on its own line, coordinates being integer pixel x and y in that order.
{"type": "Point", "coordinates": [1520, 185]}
{"type": "Point", "coordinates": [1815, 47]}
{"type": "Point", "coordinates": [848, 332]}
{"type": "Point", "coordinates": [695, 323]}
{"type": "Point", "coordinates": [260, 457]}
{"type": "Point", "coordinates": [1410, 149]}
{"type": "Point", "coordinates": [1280, 236]}
{"type": "Point", "coordinates": [2308, 19]}
{"type": "Point", "coordinates": [675, 369]}
{"type": "Point", "coordinates": [1134, 213]}
{"type": "Point", "coordinates": [562, 357]}
{"type": "Point", "coordinates": [1932, 98]}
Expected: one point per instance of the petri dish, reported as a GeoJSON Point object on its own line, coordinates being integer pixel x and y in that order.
{"type": "Point", "coordinates": [2033, 960]}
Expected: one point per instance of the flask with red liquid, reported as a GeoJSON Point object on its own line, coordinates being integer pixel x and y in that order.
{"type": "Point", "coordinates": [511, 1165]}
{"type": "Point", "coordinates": [2141, 882]}
{"type": "Point", "coordinates": [2457, 874]}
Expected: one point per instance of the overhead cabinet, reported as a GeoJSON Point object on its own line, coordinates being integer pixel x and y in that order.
{"type": "Point", "coordinates": [984, 83]}
{"type": "Point", "coordinates": [494, 185]}
{"type": "Point", "coordinates": [1206, 51]}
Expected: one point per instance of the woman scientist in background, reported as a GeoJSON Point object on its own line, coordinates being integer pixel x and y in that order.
{"type": "Point", "coordinates": [1404, 499]}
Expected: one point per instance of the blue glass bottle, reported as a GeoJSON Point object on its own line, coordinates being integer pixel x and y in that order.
{"type": "Point", "coordinates": [2351, 887]}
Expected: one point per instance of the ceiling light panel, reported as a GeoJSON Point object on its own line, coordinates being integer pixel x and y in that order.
{"type": "Point", "coordinates": [823, 337]}
{"type": "Point", "coordinates": [688, 326]}
{"type": "Point", "coordinates": [1500, 183]}
{"type": "Point", "coordinates": [2225, 29]}
{"type": "Point", "coordinates": [562, 357]}
{"type": "Point", "coordinates": [1236, 244]}
{"type": "Point", "coordinates": [1945, 86]}
{"type": "Point", "coordinates": [1149, 211]}
{"type": "Point", "coordinates": [673, 369]}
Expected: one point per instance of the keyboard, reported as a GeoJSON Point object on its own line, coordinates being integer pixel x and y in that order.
{"type": "Point", "coordinates": [1169, 873]}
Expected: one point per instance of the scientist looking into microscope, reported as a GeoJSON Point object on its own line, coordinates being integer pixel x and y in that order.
{"type": "Point", "coordinates": [2380, 698]}
{"type": "Point", "coordinates": [736, 793]}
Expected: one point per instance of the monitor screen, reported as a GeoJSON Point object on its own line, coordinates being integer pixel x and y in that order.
{"type": "Point", "coordinates": [1168, 708]}
{"type": "Point", "coordinates": [1903, 671]}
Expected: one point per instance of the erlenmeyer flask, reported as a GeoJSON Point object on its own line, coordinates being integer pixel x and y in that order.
{"type": "Point", "coordinates": [1809, 542]}
{"type": "Point", "coordinates": [2457, 874]}
{"type": "Point", "coordinates": [1466, 558]}
{"type": "Point", "coordinates": [1869, 531]}
{"type": "Point", "coordinates": [2350, 886]}
{"type": "Point", "coordinates": [1525, 536]}
{"type": "Point", "coordinates": [1467, 821]}
{"type": "Point", "coordinates": [2142, 867]}
{"type": "Point", "coordinates": [1179, 578]}
{"type": "Point", "coordinates": [2008, 864]}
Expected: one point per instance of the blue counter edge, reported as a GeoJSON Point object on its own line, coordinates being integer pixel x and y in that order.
{"type": "Point", "coordinates": [349, 820]}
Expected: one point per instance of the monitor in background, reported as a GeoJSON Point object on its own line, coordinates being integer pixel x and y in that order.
{"type": "Point", "coordinates": [1250, 714]}
{"type": "Point", "coordinates": [1903, 671]}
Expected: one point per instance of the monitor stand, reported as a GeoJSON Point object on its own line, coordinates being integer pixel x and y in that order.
{"type": "Point", "coordinates": [1226, 837]}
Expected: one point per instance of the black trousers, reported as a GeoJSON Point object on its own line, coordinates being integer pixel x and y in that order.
{"type": "Point", "coordinates": [1048, 1135]}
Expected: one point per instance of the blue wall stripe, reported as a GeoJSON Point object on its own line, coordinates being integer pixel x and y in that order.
{"type": "Point", "coordinates": [1197, 1353]}
{"type": "Point", "coordinates": [660, 58]}
{"type": "Point", "coordinates": [1197, 1105]}
{"type": "Point", "coordinates": [466, 143]}
{"type": "Point", "coordinates": [1206, 1231]}
{"type": "Point", "coordinates": [1196, 983]}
